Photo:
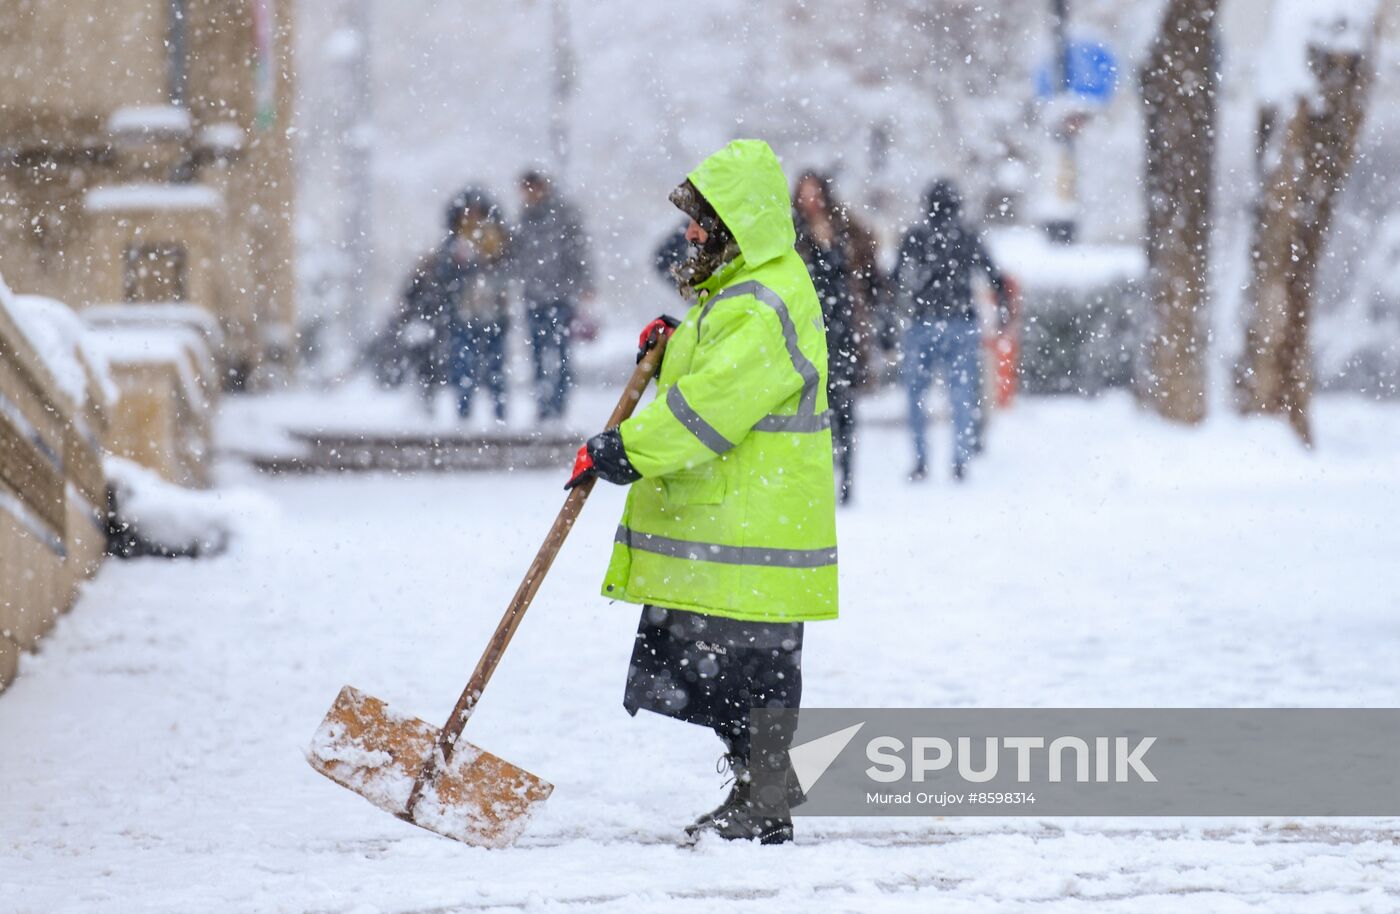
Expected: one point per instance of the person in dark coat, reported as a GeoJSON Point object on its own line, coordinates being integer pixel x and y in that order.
{"type": "Point", "coordinates": [550, 258]}
{"type": "Point", "coordinates": [427, 325]}
{"type": "Point", "coordinates": [868, 285]}
{"type": "Point", "coordinates": [826, 250]}
{"type": "Point", "coordinates": [482, 304]}
{"type": "Point", "coordinates": [671, 253]}
{"type": "Point", "coordinates": [933, 279]}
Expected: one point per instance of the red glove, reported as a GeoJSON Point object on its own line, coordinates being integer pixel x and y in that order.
{"type": "Point", "coordinates": [655, 332]}
{"type": "Point", "coordinates": [583, 469]}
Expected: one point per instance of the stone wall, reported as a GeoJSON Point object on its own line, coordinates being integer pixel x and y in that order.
{"type": "Point", "coordinates": [52, 488]}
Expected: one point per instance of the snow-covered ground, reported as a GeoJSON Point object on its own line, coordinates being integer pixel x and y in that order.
{"type": "Point", "coordinates": [151, 755]}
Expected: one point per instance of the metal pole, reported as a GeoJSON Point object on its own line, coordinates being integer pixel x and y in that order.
{"type": "Point", "coordinates": [1062, 227]}
{"type": "Point", "coordinates": [562, 86]}
{"type": "Point", "coordinates": [177, 51]}
{"type": "Point", "coordinates": [1061, 28]}
{"type": "Point", "coordinates": [358, 139]}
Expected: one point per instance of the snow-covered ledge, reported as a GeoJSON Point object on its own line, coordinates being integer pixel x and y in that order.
{"type": "Point", "coordinates": [160, 197]}
{"type": "Point", "coordinates": [176, 313]}
{"type": "Point", "coordinates": [222, 138]}
{"type": "Point", "coordinates": [149, 120]}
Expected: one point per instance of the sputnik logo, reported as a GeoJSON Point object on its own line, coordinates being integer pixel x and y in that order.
{"type": "Point", "coordinates": [811, 759]}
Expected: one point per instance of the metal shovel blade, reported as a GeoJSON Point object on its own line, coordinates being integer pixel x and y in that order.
{"type": "Point", "coordinates": [478, 798]}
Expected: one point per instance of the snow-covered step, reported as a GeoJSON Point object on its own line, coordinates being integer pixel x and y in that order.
{"type": "Point", "coordinates": [418, 452]}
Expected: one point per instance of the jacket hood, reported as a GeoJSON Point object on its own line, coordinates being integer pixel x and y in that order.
{"type": "Point", "coordinates": [470, 198]}
{"type": "Point", "coordinates": [942, 203]}
{"type": "Point", "coordinates": [745, 185]}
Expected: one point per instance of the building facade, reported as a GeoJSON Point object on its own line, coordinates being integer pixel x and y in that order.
{"type": "Point", "coordinates": [145, 158]}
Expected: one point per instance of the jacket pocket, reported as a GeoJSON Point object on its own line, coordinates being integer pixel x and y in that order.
{"type": "Point", "coordinates": [693, 488]}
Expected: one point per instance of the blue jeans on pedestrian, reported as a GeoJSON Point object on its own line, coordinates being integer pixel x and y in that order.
{"type": "Point", "coordinates": [952, 347]}
{"type": "Point", "coordinates": [550, 328]}
{"type": "Point", "coordinates": [481, 362]}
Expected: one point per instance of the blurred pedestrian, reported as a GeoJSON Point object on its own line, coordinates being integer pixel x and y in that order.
{"type": "Point", "coordinates": [550, 257]}
{"type": "Point", "coordinates": [671, 253]}
{"type": "Point", "coordinates": [933, 279]}
{"type": "Point", "coordinates": [830, 259]}
{"type": "Point", "coordinates": [482, 304]}
{"type": "Point", "coordinates": [868, 284]}
{"type": "Point", "coordinates": [426, 325]}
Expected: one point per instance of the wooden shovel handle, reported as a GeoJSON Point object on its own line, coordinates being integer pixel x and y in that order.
{"type": "Point", "coordinates": [447, 739]}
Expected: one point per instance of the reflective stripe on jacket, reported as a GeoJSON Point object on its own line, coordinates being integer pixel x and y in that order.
{"type": "Point", "coordinates": [735, 513]}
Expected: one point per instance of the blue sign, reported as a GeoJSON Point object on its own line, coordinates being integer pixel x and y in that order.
{"type": "Point", "coordinates": [1093, 73]}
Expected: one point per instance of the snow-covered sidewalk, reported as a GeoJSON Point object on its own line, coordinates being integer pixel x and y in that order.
{"type": "Point", "coordinates": [151, 757]}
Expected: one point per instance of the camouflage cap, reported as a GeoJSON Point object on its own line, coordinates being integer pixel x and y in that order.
{"type": "Point", "coordinates": [688, 199]}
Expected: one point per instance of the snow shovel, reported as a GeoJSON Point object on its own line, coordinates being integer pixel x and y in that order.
{"type": "Point", "coordinates": [430, 776]}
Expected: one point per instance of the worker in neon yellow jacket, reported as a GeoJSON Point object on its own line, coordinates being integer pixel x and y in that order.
{"type": "Point", "coordinates": [729, 534]}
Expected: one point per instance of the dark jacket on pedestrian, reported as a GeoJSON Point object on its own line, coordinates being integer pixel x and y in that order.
{"type": "Point", "coordinates": [549, 253]}
{"type": "Point", "coordinates": [482, 300]}
{"type": "Point", "coordinates": [427, 323]}
{"type": "Point", "coordinates": [435, 286]}
{"type": "Point", "coordinates": [867, 285]}
{"type": "Point", "coordinates": [671, 253]}
{"type": "Point", "coordinates": [933, 273]}
{"type": "Point", "coordinates": [832, 275]}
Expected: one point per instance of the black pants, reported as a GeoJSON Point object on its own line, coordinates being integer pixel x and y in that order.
{"type": "Point", "coordinates": [711, 671]}
{"type": "Point", "coordinates": [551, 326]}
{"type": "Point", "coordinates": [842, 399]}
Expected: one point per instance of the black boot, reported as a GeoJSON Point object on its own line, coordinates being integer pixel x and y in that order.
{"type": "Point", "coordinates": [738, 791]}
{"type": "Point", "coordinates": [741, 821]}
{"type": "Point", "coordinates": [737, 819]}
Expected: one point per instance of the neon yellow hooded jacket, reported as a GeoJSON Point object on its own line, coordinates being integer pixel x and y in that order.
{"type": "Point", "coordinates": [734, 515]}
